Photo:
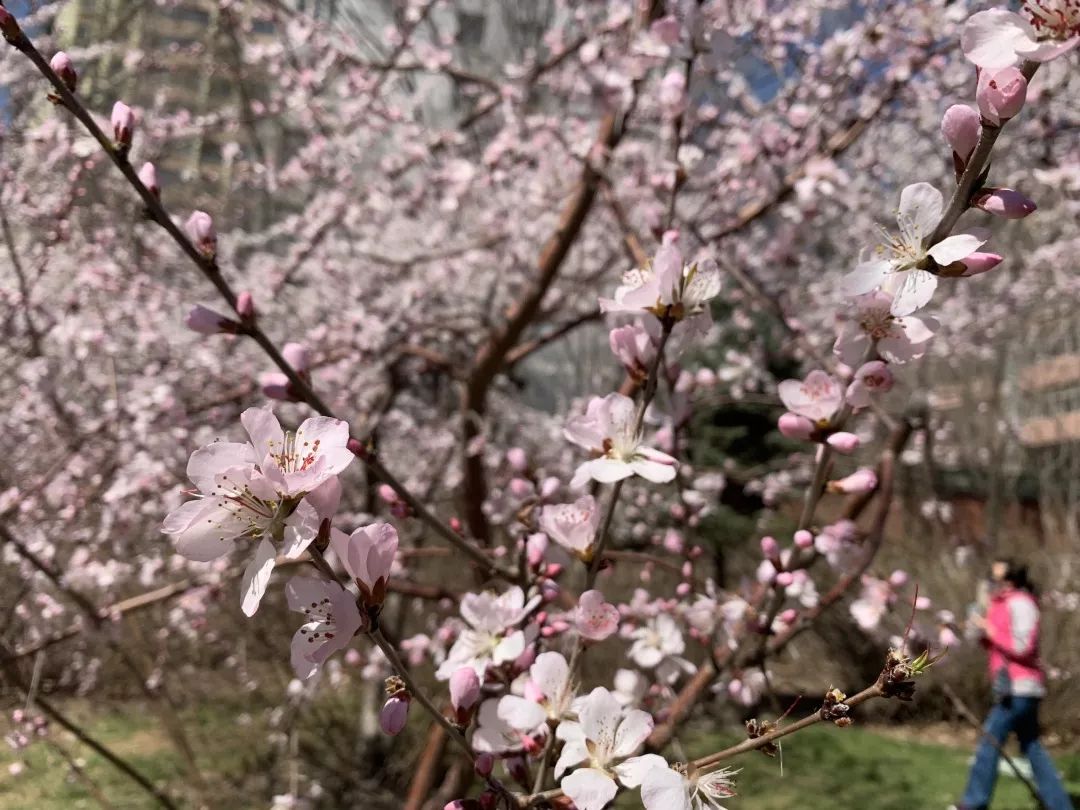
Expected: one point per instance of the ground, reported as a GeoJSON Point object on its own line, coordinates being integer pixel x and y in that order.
{"type": "Point", "coordinates": [823, 767]}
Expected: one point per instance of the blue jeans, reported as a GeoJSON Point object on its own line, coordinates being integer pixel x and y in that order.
{"type": "Point", "coordinates": [1019, 715]}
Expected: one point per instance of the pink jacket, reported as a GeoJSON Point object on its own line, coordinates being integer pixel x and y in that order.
{"type": "Point", "coordinates": [1012, 637]}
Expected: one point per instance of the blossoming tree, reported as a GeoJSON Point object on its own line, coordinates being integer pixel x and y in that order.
{"type": "Point", "coordinates": [658, 168]}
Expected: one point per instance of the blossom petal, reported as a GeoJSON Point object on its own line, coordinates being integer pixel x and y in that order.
{"type": "Point", "coordinates": [866, 277]}
{"type": "Point", "coordinates": [658, 470]}
{"type": "Point", "coordinates": [632, 772]}
{"type": "Point", "coordinates": [217, 457]}
{"type": "Point", "coordinates": [301, 527]}
{"type": "Point", "coordinates": [550, 672]}
{"type": "Point", "coordinates": [521, 714]}
{"type": "Point", "coordinates": [632, 731]}
{"type": "Point", "coordinates": [665, 790]}
{"type": "Point", "coordinates": [599, 717]}
{"type": "Point", "coordinates": [202, 530]}
{"type": "Point", "coordinates": [257, 576]}
{"type": "Point", "coordinates": [920, 209]}
{"type": "Point", "coordinates": [606, 470]}
{"type": "Point", "coordinates": [991, 39]}
{"type": "Point", "coordinates": [573, 752]}
{"type": "Point", "coordinates": [264, 429]}
{"type": "Point", "coordinates": [954, 248]}
{"type": "Point", "coordinates": [913, 290]}
{"type": "Point", "coordinates": [590, 789]}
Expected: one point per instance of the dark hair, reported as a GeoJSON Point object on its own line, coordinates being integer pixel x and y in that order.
{"type": "Point", "coordinates": [1016, 573]}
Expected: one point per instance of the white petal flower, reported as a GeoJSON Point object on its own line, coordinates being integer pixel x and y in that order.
{"type": "Point", "coordinates": [902, 265]}
{"type": "Point", "coordinates": [997, 38]}
{"type": "Point", "coordinates": [609, 430]}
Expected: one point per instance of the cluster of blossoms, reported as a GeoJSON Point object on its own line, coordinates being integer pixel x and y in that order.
{"type": "Point", "coordinates": [514, 697]}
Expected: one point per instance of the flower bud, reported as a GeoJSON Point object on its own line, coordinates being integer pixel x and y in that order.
{"type": "Point", "coordinates": [464, 693]}
{"type": "Point", "coordinates": [517, 459]}
{"type": "Point", "coordinates": [200, 228]}
{"type": "Point", "coordinates": [63, 67]}
{"type": "Point", "coordinates": [789, 616]}
{"type": "Point", "coordinates": [770, 549]}
{"type": "Point", "coordinates": [484, 765]}
{"type": "Point", "coordinates": [1005, 202]}
{"type": "Point", "coordinates": [148, 177]}
{"type": "Point", "coordinates": [123, 124]}
{"type": "Point", "coordinates": [549, 486]}
{"type": "Point", "coordinates": [804, 539]}
{"type": "Point", "coordinates": [207, 322]}
{"type": "Point", "coordinates": [275, 385]}
{"type": "Point", "coordinates": [845, 443]}
{"type": "Point", "coordinates": [978, 263]}
{"type": "Point", "coordinates": [898, 578]}
{"type": "Point", "coordinates": [296, 355]}
{"type": "Point", "coordinates": [795, 427]}
{"type": "Point", "coordinates": [960, 125]}
{"type": "Point", "coordinates": [520, 488]}
{"type": "Point", "coordinates": [1001, 94]}
{"type": "Point", "coordinates": [394, 714]}
{"type": "Point", "coordinates": [682, 589]}
{"type": "Point", "coordinates": [245, 305]}
{"type": "Point", "coordinates": [673, 541]}
{"type": "Point", "coordinates": [784, 579]}
{"type": "Point", "coordinates": [860, 481]}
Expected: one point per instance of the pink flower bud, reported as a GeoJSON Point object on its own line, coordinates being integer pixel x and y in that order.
{"type": "Point", "coordinates": [245, 305]}
{"type": "Point", "coordinates": [296, 355]}
{"type": "Point", "coordinates": [8, 26]}
{"type": "Point", "coordinates": [795, 427]}
{"type": "Point", "coordinates": [484, 765]}
{"type": "Point", "coordinates": [695, 552]}
{"type": "Point", "coordinates": [845, 443]}
{"type": "Point", "coordinates": [961, 125]}
{"type": "Point", "coordinates": [200, 228]}
{"type": "Point", "coordinates": [673, 541]}
{"type": "Point", "coordinates": [770, 549]}
{"type": "Point", "coordinates": [804, 539]}
{"type": "Point", "coordinates": [63, 67]}
{"type": "Point", "coordinates": [464, 692]}
{"type": "Point", "coordinates": [923, 603]}
{"type": "Point", "coordinates": [394, 714]}
{"type": "Point", "coordinates": [682, 589]}
{"type": "Point", "coordinates": [148, 177]}
{"type": "Point", "coordinates": [549, 486]}
{"type": "Point", "coordinates": [864, 480]}
{"type": "Point", "coordinates": [520, 488]}
{"type": "Point", "coordinates": [386, 492]}
{"type": "Point", "coordinates": [207, 322]}
{"type": "Point", "coordinates": [553, 570]}
{"type": "Point", "coordinates": [517, 459]}
{"type": "Point", "coordinates": [898, 578]}
{"type": "Point", "coordinates": [784, 579]}
{"type": "Point", "coordinates": [789, 616]}
{"type": "Point", "coordinates": [977, 263]}
{"type": "Point", "coordinates": [549, 591]}
{"type": "Point", "coordinates": [1005, 202]}
{"type": "Point", "coordinates": [275, 385]}
{"type": "Point", "coordinates": [123, 124]}
{"type": "Point", "coordinates": [1001, 94]}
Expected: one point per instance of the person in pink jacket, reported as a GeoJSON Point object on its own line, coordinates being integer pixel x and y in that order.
{"type": "Point", "coordinates": [1011, 637]}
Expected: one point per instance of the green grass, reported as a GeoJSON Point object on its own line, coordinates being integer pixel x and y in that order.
{"type": "Point", "coordinates": [824, 767]}
{"type": "Point", "coordinates": [856, 768]}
